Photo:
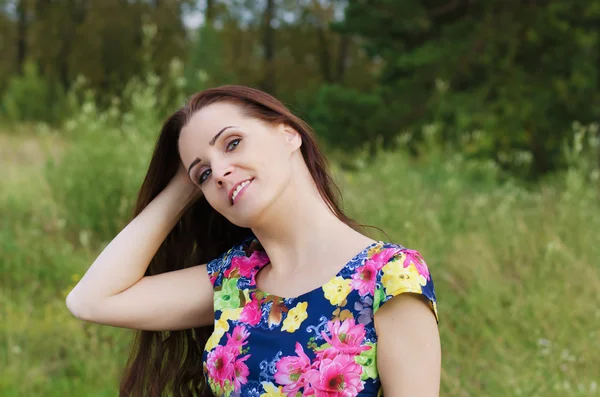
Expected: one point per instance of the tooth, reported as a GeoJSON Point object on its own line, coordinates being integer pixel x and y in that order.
{"type": "Point", "coordinates": [237, 189]}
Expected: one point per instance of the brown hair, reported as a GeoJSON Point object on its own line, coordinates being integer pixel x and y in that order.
{"type": "Point", "coordinates": [170, 362]}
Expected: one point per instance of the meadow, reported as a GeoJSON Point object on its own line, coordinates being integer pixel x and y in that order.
{"type": "Point", "coordinates": [515, 264]}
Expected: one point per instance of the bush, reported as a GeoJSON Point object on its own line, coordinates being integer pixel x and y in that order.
{"type": "Point", "coordinates": [98, 177]}
{"type": "Point", "coordinates": [31, 97]}
{"type": "Point", "coordinates": [348, 119]}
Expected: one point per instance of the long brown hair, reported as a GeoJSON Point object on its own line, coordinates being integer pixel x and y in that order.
{"type": "Point", "coordinates": [170, 362]}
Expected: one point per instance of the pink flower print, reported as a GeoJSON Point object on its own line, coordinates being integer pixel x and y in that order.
{"type": "Point", "coordinates": [363, 279]}
{"type": "Point", "coordinates": [290, 371]}
{"type": "Point", "coordinates": [237, 339]}
{"type": "Point", "coordinates": [382, 257]}
{"type": "Point", "coordinates": [247, 265]}
{"type": "Point", "coordinates": [335, 377]}
{"type": "Point", "coordinates": [241, 372]}
{"type": "Point", "coordinates": [346, 337]}
{"type": "Point", "coordinates": [220, 363]}
{"type": "Point", "coordinates": [414, 257]}
{"type": "Point", "coordinates": [251, 313]}
{"type": "Point", "coordinates": [329, 353]}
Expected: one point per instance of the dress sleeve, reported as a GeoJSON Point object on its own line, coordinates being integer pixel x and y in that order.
{"type": "Point", "coordinates": [405, 271]}
{"type": "Point", "coordinates": [217, 267]}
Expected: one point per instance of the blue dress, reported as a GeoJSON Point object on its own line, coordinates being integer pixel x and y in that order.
{"type": "Point", "coordinates": [321, 343]}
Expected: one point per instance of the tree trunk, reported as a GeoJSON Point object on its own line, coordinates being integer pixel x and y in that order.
{"type": "Point", "coordinates": [325, 58]}
{"type": "Point", "coordinates": [268, 83]}
{"type": "Point", "coordinates": [209, 13]}
{"type": "Point", "coordinates": [342, 60]}
{"type": "Point", "coordinates": [21, 35]}
{"type": "Point", "coordinates": [76, 13]}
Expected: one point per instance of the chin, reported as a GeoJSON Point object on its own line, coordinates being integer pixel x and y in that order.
{"type": "Point", "coordinates": [249, 211]}
{"type": "Point", "coordinates": [247, 221]}
{"type": "Point", "coordinates": [246, 216]}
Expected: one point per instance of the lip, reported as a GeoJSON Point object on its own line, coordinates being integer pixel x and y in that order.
{"type": "Point", "coordinates": [235, 187]}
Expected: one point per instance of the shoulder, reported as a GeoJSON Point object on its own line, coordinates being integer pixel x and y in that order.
{"type": "Point", "coordinates": [401, 270]}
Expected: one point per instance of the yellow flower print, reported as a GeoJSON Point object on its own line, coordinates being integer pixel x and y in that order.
{"type": "Point", "coordinates": [345, 314]}
{"type": "Point", "coordinates": [231, 314]}
{"type": "Point", "coordinates": [246, 293]}
{"type": "Point", "coordinates": [221, 326]}
{"type": "Point", "coordinates": [373, 250]}
{"type": "Point", "coordinates": [337, 290]}
{"type": "Point", "coordinates": [341, 315]}
{"type": "Point", "coordinates": [398, 279]}
{"type": "Point", "coordinates": [295, 317]}
{"type": "Point", "coordinates": [434, 307]}
{"type": "Point", "coordinates": [271, 390]}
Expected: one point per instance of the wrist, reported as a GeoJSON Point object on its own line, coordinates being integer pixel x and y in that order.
{"type": "Point", "coordinates": [181, 193]}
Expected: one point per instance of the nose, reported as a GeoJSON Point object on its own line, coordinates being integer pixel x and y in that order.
{"type": "Point", "coordinates": [221, 174]}
{"type": "Point", "coordinates": [221, 180]}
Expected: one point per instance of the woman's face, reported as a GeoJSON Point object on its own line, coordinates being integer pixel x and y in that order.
{"type": "Point", "coordinates": [242, 164]}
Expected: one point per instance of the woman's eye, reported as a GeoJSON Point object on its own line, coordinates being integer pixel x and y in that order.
{"type": "Point", "coordinates": [231, 146]}
{"type": "Point", "coordinates": [203, 176]}
{"type": "Point", "coordinates": [236, 141]}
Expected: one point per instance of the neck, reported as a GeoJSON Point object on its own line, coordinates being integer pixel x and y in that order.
{"type": "Point", "coordinates": [300, 219]}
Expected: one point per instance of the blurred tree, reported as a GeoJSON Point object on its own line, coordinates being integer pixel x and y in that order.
{"type": "Point", "coordinates": [101, 40]}
{"type": "Point", "coordinates": [519, 71]}
{"type": "Point", "coordinates": [207, 60]}
{"type": "Point", "coordinates": [171, 39]}
{"type": "Point", "coordinates": [209, 13]}
{"type": "Point", "coordinates": [307, 46]}
{"type": "Point", "coordinates": [269, 82]}
{"type": "Point", "coordinates": [22, 24]}
{"type": "Point", "coordinates": [53, 32]}
{"type": "Point", "coordinates": [8, 33]}
{"type": "Point", "coordinates": [106, 47]}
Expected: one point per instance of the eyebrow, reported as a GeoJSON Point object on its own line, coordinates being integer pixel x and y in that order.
{"type": "Point", "coordinates": [211, 143]}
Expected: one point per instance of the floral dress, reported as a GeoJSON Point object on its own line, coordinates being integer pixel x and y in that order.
{"type": "Point", "coordinates": [321, 343]}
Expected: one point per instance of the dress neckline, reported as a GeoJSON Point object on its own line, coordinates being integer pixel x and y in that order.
{"type": "Point", "coordinates": [361, 254]}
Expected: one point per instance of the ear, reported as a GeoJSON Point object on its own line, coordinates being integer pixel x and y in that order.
{"type": "Point", "coordinates": [291, 137]}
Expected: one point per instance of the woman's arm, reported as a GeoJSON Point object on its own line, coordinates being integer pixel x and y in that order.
{"type": "Point", "coordinates": [408, 347]}
{"type": "Point", "coordinates": [114, 290]}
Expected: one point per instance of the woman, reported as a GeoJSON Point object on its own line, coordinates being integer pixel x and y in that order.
{"type": "Point", "coordinates": [244, 276]}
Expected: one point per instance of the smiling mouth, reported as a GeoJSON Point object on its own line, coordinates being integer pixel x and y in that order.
{"type": "Point", "coordinates": [239, 190]}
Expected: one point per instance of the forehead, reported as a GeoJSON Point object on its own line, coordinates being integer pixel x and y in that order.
{"type": "Point", "coordinates": [204, 124]}
{"type": "Point", "coordinates": [211, 119]}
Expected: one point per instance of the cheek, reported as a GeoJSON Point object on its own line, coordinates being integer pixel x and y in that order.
{"type": "Point", "coordinates": [212, 199]}
{"type": "Point", "coordinates": [276, 162]}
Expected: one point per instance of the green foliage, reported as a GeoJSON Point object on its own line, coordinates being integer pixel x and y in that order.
{"type": "Point", "coordinates": [102, 41]}
{"type": "Point", "coordinates": [507, 79]}
{"type": "Point", "coordinates": [207, 59]}
{"type": "Point", "coordinates": [30, 97]}
{"type": "Point", "coordinates": [347, 118]}
{"type": "Point", "coordinates": [520, 73]}
{"type": "Point", "coordinates": [98, 176]}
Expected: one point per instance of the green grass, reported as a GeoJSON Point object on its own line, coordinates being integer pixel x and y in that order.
{"type": "Point", "coordinates": [516, 272]}
{"type": "Point", "coordinates": [44, 350]}
{"type": "Point", "coordinates": [515, 268]}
